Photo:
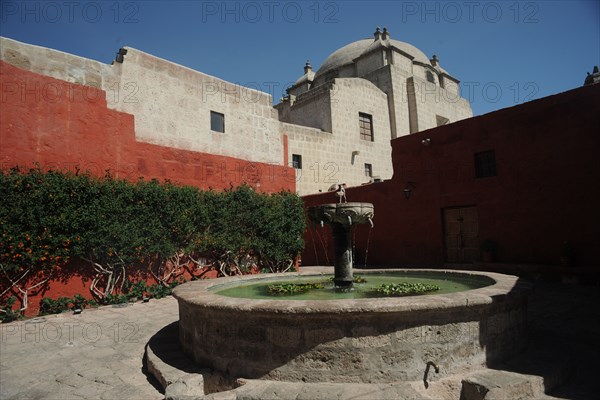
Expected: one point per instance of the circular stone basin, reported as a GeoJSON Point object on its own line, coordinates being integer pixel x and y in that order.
{"type": "Point", "coordinates": [258, 288]}
{"type": "Point", "coordinates": [370, 340]}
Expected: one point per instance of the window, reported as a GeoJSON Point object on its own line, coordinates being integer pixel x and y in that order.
{"type": "Point", "coordinates": [485, 164]}
{"type": "Point", "coordinates": [365, 123]}
{"type": "Point", "coordinates": [368, 170]}
{"type": "Point", "coordinates": [217, 122]}
{"type": "Point", "coordinates": [297, 161]}
{"type": "Point", "coordinates": [429, 76]}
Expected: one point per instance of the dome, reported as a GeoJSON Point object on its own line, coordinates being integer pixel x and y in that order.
{"type": "Point", "coordinates": [348, 53]}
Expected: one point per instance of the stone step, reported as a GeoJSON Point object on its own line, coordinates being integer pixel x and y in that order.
{"type": "Point", "coordinates": [529, 376]}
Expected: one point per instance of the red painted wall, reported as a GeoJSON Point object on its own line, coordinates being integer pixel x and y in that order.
{"type": "Point", "coordinates": [61, 125]}
{"type": "Point", "coordinates": [546, 191]}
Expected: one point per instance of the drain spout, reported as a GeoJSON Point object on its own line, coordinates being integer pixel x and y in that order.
{"type": "Point", "coordinates": [435, 366]}
{"type": "Point", "coordinates": [350, 220]}
{"type": "Point", "coordinates": [322, 224]}
{"type": "Point", "coordinates": [371, 222]}
{"type": "Point", "coordinates": [429, 365]}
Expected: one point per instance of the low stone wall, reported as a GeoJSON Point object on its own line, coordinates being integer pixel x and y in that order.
{"type": "Point", "coordinates": [367, 340]}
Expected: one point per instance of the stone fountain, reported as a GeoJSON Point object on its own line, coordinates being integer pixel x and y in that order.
{"type": "Point", "coordinates": [342, 217]}
{"type": "Point", "coordinates": [370, 340]}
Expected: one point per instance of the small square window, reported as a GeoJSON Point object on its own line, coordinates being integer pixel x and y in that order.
{"type": "Point", "coordinates": [297, 161]}
{"type": "Point", "coordinates": [485, 164]}
{"type": "Point", "coordinates": [217, 122]}
{"type": "Point", "coordinates": [365, 125]}
{"type": "Point", "coordinates": [369, 170]}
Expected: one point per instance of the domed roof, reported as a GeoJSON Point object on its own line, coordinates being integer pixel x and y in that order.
{"type": "Point", "coordinates": [348, 53]}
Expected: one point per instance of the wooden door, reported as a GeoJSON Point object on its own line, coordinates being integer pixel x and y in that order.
{"type": "Point", "coordinates": [461, 229]}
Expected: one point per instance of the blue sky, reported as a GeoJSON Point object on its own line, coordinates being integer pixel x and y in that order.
{"type": "Point", "coordinates": [504, 52]}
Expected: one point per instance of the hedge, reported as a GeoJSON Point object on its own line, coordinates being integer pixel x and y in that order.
{"type": "Point", "coordinates": [50, 218]}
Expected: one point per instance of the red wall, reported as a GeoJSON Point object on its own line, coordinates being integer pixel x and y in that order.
{"type": "Point", "coordinates": [546, 191]}
{"type": "Point", "coordinates": [61, 125]}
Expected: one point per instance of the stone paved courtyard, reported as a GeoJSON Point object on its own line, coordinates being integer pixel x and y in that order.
{"type": "Point", "coordinates": [95, 355]}
{"type": "Point", "coordinates": [98, 354]}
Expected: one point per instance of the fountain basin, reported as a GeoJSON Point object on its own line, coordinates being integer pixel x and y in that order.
{"type": "Point", "coordinates": [371, 340]}
{"type": "Point", "coordinates": [346, 214]}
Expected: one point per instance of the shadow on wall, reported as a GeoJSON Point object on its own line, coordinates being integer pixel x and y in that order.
{"type": "Point", "coordinates": [520, 176]}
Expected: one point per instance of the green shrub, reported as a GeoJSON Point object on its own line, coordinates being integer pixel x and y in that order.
{"type": "Point", "coordinates": [79, 301]}
{"type": "Point", "coordinates": [115, 299]}
{"type": "Point", "coordinates": [50, 218]}
{"type": "Point", "coordinates": [136, 290]}
{"type": "Point", "coordinates": [51, 306]}
{"type": "Point", "coordinates": [8, 314]}
{"type": "Point", "coordinates": [159, 291]}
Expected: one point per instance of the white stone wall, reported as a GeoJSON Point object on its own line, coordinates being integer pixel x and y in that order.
{"type": "Point", "coordinates": [173, 109]}
{"type": "Point", "coordinates": [369, 62]}
{"type": "Point", "coordinates": [58, 65]}
{"type": "Point", "coordinates": [171, 103]}
{"type": "Point", "coordinates": [327, 157]}
{"type": "Point", "coordinates": [431, 100]}
{"type": "Point", "coordinates": [402, 62]}
{"type": "Point", "coordinates": [312, 109]}
{"type": "Point", "coordinates": [313, 145]}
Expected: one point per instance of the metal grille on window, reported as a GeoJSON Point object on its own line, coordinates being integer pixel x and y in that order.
{"type": "Point", "coordinates": [297, 161]}
{"type": "Point", "coordinates": [365, 122]}
{"type": "Point", "coordinates": [368, 170]}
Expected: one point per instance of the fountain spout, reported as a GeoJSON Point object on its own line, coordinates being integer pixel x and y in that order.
{"type": "Point", "coordinates": [342, 217]}
{"type": "Point", "coordinates": [371, 222]}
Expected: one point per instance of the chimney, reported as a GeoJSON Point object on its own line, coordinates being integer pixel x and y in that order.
{"type": "Point", "coordinates": [434, 61]}
{"type": "Point", "coordinates": [307, 67]}
{"type": "Point", "coordinates": [120, 55]}
{"type": "Point", "coordinates": [386, 34]}
{"type": "Point", "coordinates": [377, 34]}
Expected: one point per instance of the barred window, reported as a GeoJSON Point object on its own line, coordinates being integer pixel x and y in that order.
{"type": "Point", "coordinates": [368, 170]}
{"type": "Point", "coordinates": [297, 161]}
{"type": "Point", "coordinates": [365, 122]}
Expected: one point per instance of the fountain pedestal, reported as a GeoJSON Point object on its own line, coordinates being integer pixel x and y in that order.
{"type": "Point", "coordinates": [342, 217]}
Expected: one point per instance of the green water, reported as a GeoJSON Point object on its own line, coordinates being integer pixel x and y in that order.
{"type": "Point", "coordinates": [447, 282]}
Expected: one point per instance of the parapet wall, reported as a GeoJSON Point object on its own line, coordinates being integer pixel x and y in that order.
{"type": "Point", "coordinates": [171, 104]}
{"type": "Point", "coordinates": [63, 125]}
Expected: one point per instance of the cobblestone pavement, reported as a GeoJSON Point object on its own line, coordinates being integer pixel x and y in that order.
{"type": "Point", "coordinates": [94, 355]}
{"type": "Point", "coordinates": [98, 354]}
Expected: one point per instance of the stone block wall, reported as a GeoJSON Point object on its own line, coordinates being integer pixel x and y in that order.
{"type": "Point", "coordinates": [353, 96]}
{"type": "Point", "coordinates": [428, 100]}
{"type": "Point", "coordinates": [327, 157]}
{"type": "Point", "coordinates": [171, 104]}
{"type": "Point", "coordinates": [379, 340]}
